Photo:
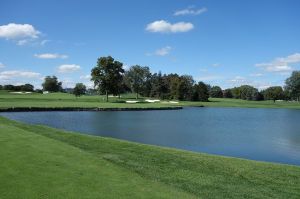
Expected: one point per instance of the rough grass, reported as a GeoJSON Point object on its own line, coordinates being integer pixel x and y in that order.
{"type": "Point", "coordinates": [38, 161]}
{"type": "Point", "coordinates": [54, 100]}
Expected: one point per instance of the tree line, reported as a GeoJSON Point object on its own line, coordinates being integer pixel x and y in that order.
{"type": "Point", "coordinates": [110, 77]}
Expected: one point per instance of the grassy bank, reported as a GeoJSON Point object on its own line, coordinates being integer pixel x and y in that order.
{"type": "Point", "coordinates": [60, 100]}
{"type": "Point", "coordinates": [42, 162]}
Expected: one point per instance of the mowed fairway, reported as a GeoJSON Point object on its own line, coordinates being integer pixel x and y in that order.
{"type": "Point", "coordinates": [34, 166]}
{"type": "Point", "coordinates": [42, 162]}
{"type": "Point", "coordinates": [61, 100]}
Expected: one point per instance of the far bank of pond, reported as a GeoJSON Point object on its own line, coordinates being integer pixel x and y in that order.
{"type": "Point", "coordinates": [259, 134]}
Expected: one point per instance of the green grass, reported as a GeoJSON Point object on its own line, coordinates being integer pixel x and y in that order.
{"type": "Point", "coordinates": [54, 100]}
{"type": "Point", "coordinates": [42, 162]}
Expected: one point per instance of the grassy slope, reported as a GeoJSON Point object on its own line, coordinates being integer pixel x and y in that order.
{"type": "Point", "coordinates": [34, 166]}
{"type": "Point", "coordinates": [44, 161]}
{"type": "Point", "coordinates": [8, 100]}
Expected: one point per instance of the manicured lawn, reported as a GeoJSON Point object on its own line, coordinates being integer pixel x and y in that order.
{"type": "Point", "coordinates": [42, 162]}
{"type": "Point", "coordinates": [8, 100]}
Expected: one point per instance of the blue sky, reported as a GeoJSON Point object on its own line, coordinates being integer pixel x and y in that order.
{"type": "Point", "coordinates": [225, 43]}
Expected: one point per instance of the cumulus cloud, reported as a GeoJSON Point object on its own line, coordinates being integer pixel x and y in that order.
{"type": "Point", "coordinates": [163, 26]}
{"type": "Point", "coordinates": [190, 11]}
{"type": "Point", "coordinates": [21, 33]}
{"type": "Point", "coordinates": [7, 75]}
{"type": "Point", "coordinates": [280, 64]}
{"type": "Point", "coordinates": [68, 68]}
{"type": "Point", "coordinates": [50, 56]}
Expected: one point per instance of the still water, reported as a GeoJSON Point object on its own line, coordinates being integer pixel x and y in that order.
{"type": "Point", "coordinates": [258, 134]}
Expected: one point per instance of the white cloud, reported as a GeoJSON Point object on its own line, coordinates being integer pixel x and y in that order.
{"type": "Point", "coordinates": [216, 64]}
{"type": "Point", "coordinates": [86, 77]}
{"type": "Point", "coordinates": [163, 51]}
{"type": "Point", "coordinates": [2, 65]}
{"type": "Point", "coordinates": [43, 42]}
{"type": "Point", "coordinates": [281, 64]}
{"type": "Point", "coordinates": [68, 68]}
{"type": "Point", "coordinates": [190, 11]}
{"type": "Point", "coordinates": [21, 33]}
{"type": "Point", "coordinates": [7, 75]}
{"type": "Point", "coordinates": [163, 26]}
{"type": "Point", "coordinates": [50, 56]}
{"type": "Point", "coordinates": [238, 79]}
{"type": "Point", "coordinates": [256, 75]}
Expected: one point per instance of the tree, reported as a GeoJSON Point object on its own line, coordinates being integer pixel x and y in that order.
{"type": "Point", "coordinates": [27, 87]}
{"type": "Point", "coordinates": [292, 85]}
{"type": "Point", "coordinates": [107, 75]}
{"type": "Point", "coordinates": [274, 93]}
{"type": "Point", "coordinates": [227, 93]}
{"type": "Point", "coordinates": [236, 92]}
{"type": "Point", "coordinates": [51, 84]}
{"type": "Point", "coordinates": [9, 87]}
{"type": "Point", "coordinates": [247, 92]}
{"type": "Point", "coordinates": [216, 92]}
{"type": "Point", "coordinates": [200, 92]}
{"type": "Point", "coordinates": [79, 89]}
{"type": "Point", "coordinates": [258, 96]}
{"type": "Point", "coordinates": [136, 78]}
{"type": "Point", "coordinates": [185, 87]}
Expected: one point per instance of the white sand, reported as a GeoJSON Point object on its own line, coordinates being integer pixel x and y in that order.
{"type": "Point", "coordinates": [19, 92]}
{"type": "Point", "coordinates": [131, 102]}
{"type": "Point", "coordinates": [151, 101]}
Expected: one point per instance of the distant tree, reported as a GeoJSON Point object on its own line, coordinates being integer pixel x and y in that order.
{"type": "Point", "coordinates": [227, 93]}
{"type": "Point", "coordinates": [1, 87]}
{"type": "Point", "coordinates": [185, 87]}
{"type": "Point", "coordinates": [9, 87]}
{"type": "Point", "coordinates": [200, 92]}
{"type": "Point", "coordinates": [174, 84]}
{"type": "Point", "coordinates": [136, 78]}
{"type": "Point", "coordinates": [27, 87]}
{"type": "Point", "coordinates": [51, 84]}
{"type": "Point", "coordinates": [236, 92]}
{"type": "Point", "coordinates": [247, 92]}
{"type": "Point", "coordinates": [38, 91]}
{"type": "Point", "coordinates": [79, 89]}
{"type": "Point", "coordinates": [258, 96]}
{"type": "Point", "coordinates": [216, 92]}
{"type": "Point", "coordinates": [159, 85]}
{"type": "Point", "coordinates": [107, 75]}
{"type": "Point", "coordinates": [274, 93]}
{"type": "Point", "coordinates": [292, 85]}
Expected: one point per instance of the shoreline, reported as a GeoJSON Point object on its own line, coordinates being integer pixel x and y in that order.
{"type": "Point", "coordinates": [40, 109]}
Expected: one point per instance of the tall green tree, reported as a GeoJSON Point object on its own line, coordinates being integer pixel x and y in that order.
{"type": "Point", "coordinates": [107, 75]}
{"type": "Point", "coordinates": [52, 84]}
{"type": "Point", "coordinates": [227, 93]}
{"type": "Point", "coordinates": [292, 85]}
{"type": "Point", "coordinates": [274, 93]}
{"type": "Point", "coordinates": [200, 92]}
{"type": "Point", "coordinates": [216, 92]}
{"type": "Point", "coordinates": [136, 78]}
{"type": "Point", "coordinates": [185, 87]}
{"type": "Point", "coordinates": [79, 89]}
{"type": "Point", "coordinates": [247, 92]}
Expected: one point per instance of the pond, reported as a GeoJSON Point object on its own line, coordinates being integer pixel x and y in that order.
{"type": "Point", "coordinates": [258, 134]}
